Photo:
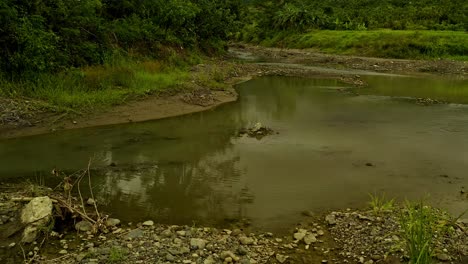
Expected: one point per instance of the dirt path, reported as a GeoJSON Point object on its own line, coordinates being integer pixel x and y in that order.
{"type": "Point", "coordinates": [21, 118]}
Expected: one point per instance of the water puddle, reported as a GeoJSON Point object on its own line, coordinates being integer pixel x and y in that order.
{"type": "Point", "coordinates": [332, 150]}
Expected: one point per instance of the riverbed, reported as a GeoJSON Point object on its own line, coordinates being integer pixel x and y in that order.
{"type": "Point", "coordinates": [333, 147]}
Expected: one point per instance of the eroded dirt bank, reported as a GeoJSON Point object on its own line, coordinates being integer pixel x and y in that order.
{"type": "Point", "coordinates": [24, 117]}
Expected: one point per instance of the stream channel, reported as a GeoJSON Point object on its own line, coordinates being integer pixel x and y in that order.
{"type": "Point", "coordinates": [331, 150]}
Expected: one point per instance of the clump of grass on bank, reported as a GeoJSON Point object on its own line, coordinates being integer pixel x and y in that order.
{"type": "Point", "coordinates": [419, 224]}
{"type": "Point", "coordinates": [103, 85]}
{"type": "Point", "coordinates": [401, 44]}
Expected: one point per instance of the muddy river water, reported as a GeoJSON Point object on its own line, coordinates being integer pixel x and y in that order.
{"type": "Point", "coordinates": [332, 149]}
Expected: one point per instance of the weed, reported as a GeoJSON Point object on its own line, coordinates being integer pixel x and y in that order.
{"type": "Point", "coordinates": [117, 254]}
{"type": "Point", "coordinates": [419, 224]}
{"type": "Point", "coordinates": [380, 204]}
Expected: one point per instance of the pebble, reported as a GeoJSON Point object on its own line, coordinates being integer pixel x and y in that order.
{"type": "Point", "coordinates": [84, 226]}
{"type": "Point", "coordinates": [91, 201]}
{"type": "Point", "coordinates": [148, 223]}
{"type": "Point", "coordinates": [331, 219]}
{"type": "Point", "coordinates": [281, 258]}
{"type": "Point", "coordinates": [197, 243]}
{"type": "Point", "coordinates": [246, 240]}
{"type": "Point", "coordinates": [112, 222]}
{"type": "Point", "coordinates": [443, 257]}
{"type": "Point", "coordinates": [63, 252]}
{"type": "Point", "coordinates": [309, 239]}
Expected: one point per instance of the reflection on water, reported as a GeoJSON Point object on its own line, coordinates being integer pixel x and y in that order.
{"type": "Point", "coordinates": [194, 169]}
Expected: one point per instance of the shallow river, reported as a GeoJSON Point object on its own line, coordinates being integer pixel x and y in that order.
{"type": "Point", "coordinates": [195, 169]}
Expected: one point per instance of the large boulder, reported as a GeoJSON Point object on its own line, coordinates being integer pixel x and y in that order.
{"type": "Point", "coordinates": [35, 216]}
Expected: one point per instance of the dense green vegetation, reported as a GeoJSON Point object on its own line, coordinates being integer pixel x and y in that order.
{"type": "Point", "coordinates": [385, 43]}
{"type": "Point", "coordinates": [412, 29]}
{"type": "Point", "coordinates": [88, 52]}
{"type": "Point", "coordinates": [264, 17]}
{"type": "Point", "coordinates": [45, 35]}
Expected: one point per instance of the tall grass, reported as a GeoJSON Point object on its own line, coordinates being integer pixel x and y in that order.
{"type": "Point", "coordinates": [424, 44]}
{"type": "Point", "coordinates": [419, 225]}
{"type": "Point", "coordinates": [99, 86]}
{"type": "Point", "coordinates": [380, 204]}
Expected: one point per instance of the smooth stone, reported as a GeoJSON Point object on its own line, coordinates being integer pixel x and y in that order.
{"type": "Point", "coordinates": [148, 223]}
{"type": "Point", "coordinates": [63, 252]}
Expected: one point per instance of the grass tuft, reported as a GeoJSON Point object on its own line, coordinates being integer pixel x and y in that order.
{"type": "Point", "coordinates": [380, 204]}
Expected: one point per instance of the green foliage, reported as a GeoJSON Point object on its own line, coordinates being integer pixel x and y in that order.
{"type": "Point", "coordinates": [379, 43]}
{"type": "Point", "coordinates": [117, 254]}
{"type": "Point", "coordinates": [419, 225]}
{"type": "Point", "coordinates": [51, 36]}
{"type": "Point", "coordinates": [380, 204]}
{"type": "Point", "coordinates": [265, 18]}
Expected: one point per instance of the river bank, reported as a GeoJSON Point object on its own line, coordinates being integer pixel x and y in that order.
{"type": "Point", "coordinates": [211, 85]}
{"type": "Point", "coordinates": [375, 234]}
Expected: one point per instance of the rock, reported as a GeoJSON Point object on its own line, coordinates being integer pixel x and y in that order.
{"type": "Point", "coordinates": [246, 240]}
{"type": "Point", "coordinates": [12, 245]}
{"type": "Point", "coordinates": [197, 243]}
{"type": "Point", "coordinates": [170, 257]}
{"type": "Point", "coordinates": [236, 232]}
{"type": "Point", "coordinates": [166, 233]}
{"type": "Point", "coordinates": [331, 219]}
{"type": "Point", "coordinates": [228, 260]}
{"type": "Point", "coordinates": [376, 257]}
{"type": "Point", "coordinates": [320, 233]}
{"type": "Point", "coordinates": [38, 208]}
{"type": "Point", "coordinates": [36, 215]}
{"type": "Point", "coordinates": [299, 235]}
{"type": "Point", "coordinates": [91, 201]}
{"type": "Point", "coordinates": [281, 258]}
{"type": "Point", "coordinates": [181, 233]}
{"type": "Point", "coordinates": [443, 257]}
{"type": "Point", "coordinates": [209, 260]}
{"type": "Point", "coordinates": [257, 127]}
{"type": "Point", "coordinates": [135, 233]}
{"type": "Point", "coordinates": [242, 251]}
{"type": "Point", "coordinates": [110, 222]}
{"type": "Point", "coordinates": [63, 252]}
{"type": "Point", "coordinates": [84, 226]}
{"type": "Point", "coordinates": [229, 254]}
{"type": "Point", "coordinates": [309, 239]}
{"type": "Point", "coordinates": [148, 223]}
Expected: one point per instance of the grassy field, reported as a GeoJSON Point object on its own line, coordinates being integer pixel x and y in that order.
{"type": "Point", "coordinates": [400, 44]}
{"type": "Point", "coordinates": [94, 87]}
